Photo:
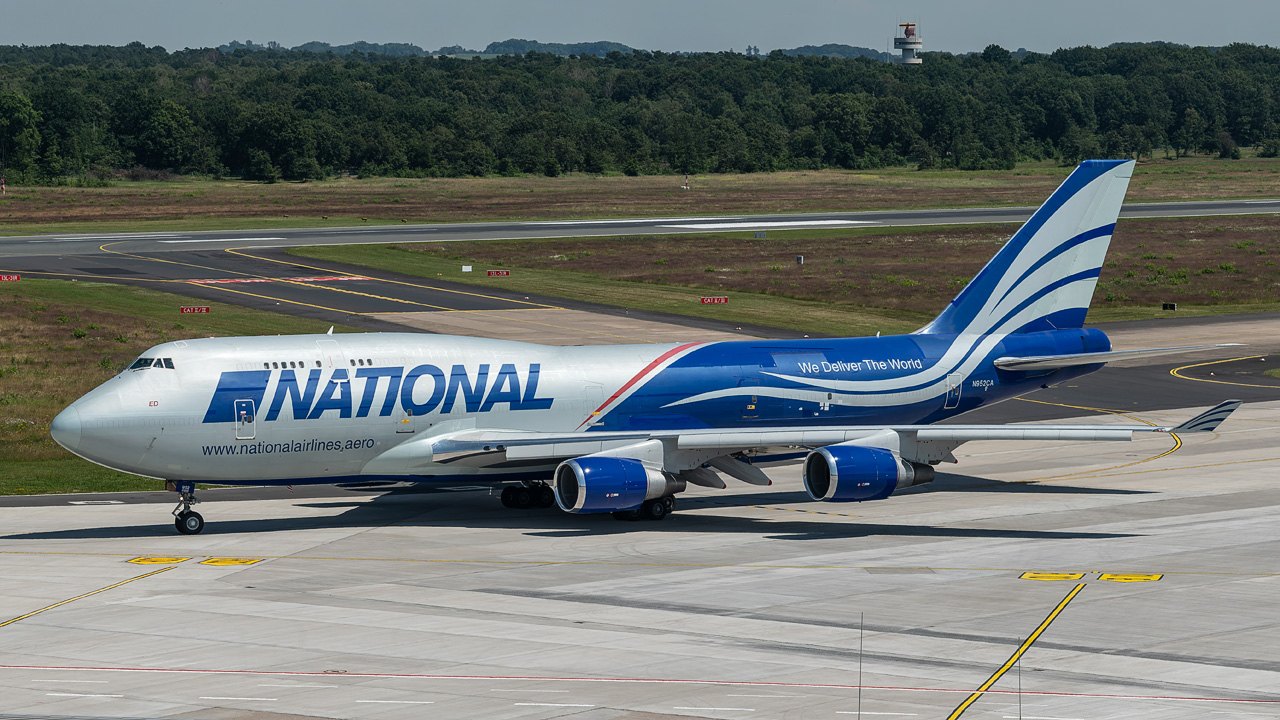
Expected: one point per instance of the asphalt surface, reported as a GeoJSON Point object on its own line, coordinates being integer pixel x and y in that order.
{"type": "Point", "coordinates": [187, 242]}
{"type": "Point", "coordinates": [251, 268]}
{"type": "Point", "coordinates": [271, 279]}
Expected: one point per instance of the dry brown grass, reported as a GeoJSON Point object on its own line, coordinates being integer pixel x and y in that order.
{"type": "Point", "coordinates": [44, 365]}
{"type": "Point", "coordinates": [202, 203]}
{"type": "Point", "coordinates": [1216, 260]}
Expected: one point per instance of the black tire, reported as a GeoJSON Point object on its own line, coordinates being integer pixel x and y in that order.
{"type": "Point", "coordinates": [508, 496]}
{"type": "Point", "coordinates": [189, 523]}
{"type": "Point", "coordinates": [545, 497]}
{"type": "Point", "coordinates": [670, 502]}
{"type": "Point", "coordinates": [522, 498]}
{"type": "Point", "coordinates": [653, 509]}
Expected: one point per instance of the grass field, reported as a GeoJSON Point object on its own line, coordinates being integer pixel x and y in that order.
{"type": "Point", "coordinates": [59, 339]}
{"type": "Point", "coordinates": [189, 204]}
{"type": "Point", "coordinates": [855, 281]}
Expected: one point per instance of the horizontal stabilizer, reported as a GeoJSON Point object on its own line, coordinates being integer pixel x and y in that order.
{"type": "Point", "coordinates": [1052, 362]}
{"type": "Point", "coordinates": [1209, 420]}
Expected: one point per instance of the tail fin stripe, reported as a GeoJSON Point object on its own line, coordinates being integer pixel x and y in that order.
{"type": "Point", "coordinates": [999, 265]}
{"type": "Point", "coordinates": [999, 326]}
{"type": "Point", "coordinates": [1080, 239]}
{"type": "Point", "coordinates": [1068, 233]}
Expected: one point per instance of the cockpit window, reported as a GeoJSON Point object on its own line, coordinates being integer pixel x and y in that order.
{"type": "Point", "coordinates": [146, 362]}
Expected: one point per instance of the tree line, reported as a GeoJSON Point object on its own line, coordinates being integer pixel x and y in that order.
{"type": "Point", "coordinates": [86, 111]}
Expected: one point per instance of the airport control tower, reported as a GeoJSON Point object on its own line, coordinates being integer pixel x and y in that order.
{"type": "Point", "coordinates": [909, 43]}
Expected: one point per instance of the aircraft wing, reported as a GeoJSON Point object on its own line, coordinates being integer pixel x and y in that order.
{"type": "Point", "coordinates": [920, 443]}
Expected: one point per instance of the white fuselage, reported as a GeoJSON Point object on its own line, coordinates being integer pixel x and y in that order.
{"type": "Point", "coordinates": [161, 422]}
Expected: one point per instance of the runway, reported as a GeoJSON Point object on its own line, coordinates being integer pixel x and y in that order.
{"type": "Point", "coordinates": [187, 242]}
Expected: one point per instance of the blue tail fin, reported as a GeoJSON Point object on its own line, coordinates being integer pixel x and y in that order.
{"type": "Point", "coordinates": [1043, 278]}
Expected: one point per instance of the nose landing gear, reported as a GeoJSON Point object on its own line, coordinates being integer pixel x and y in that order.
{"type": "Point", "coordinates": [186, 520]}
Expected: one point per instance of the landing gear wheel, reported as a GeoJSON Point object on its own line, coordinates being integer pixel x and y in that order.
{"type": "Point", "coordinates": [189, 522]}
{"type": "Point", "coordinates": [654, 509]}
{"type": "Point", "coordinates": [508, 496]}
{"type": "Point", "coordinates": [522, 498]}
{"type": "Point", "coordinates": [544, 496]}
{"type": "Point", "coordinates": [670, 502]}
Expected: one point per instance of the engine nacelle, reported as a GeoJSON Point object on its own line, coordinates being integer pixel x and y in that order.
{"type": "Point", "coordinates": [597, 484]}
{"type": "Point", "coordinates": [851, 473]}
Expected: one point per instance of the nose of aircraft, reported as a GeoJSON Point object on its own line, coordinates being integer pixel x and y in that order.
{"type": "Point", "coordinates": [65, 428]}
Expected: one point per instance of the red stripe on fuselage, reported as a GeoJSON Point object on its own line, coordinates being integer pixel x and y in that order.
{"type": "Point", "coordinates": [662, 358]}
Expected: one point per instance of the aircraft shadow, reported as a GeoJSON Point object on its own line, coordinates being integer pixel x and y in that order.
{"type": "Point", "coordinates": [409, 509]}
{"type": "Point", "coordinates": [951, 482]}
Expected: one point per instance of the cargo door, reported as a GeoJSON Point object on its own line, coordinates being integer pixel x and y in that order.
{"type": "Point", "coordinates": [331, 354]}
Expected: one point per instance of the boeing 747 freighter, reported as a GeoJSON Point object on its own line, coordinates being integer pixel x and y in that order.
{"type": "Point", "coordinates": [623, 429]}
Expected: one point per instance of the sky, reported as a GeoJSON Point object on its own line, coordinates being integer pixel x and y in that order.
{"type": "Point", "coordinates": [669, 25]}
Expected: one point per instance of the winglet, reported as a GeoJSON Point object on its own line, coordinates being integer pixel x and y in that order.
{"type": "Point", "coordinates": [1209, 420]}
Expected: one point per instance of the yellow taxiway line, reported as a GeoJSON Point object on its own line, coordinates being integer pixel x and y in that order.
{"type": "Point", "coordinates": [1177, 372]}
{"type": "Point", "coordinates": [81, 597]}
{"type": "Point", "coordinates": [1013, 659]}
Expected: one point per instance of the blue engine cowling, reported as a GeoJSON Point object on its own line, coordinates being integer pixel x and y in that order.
{"type": "Point", "coordinates": [597, 484]}
{"type": "Point", "coordinates": [851, 473]}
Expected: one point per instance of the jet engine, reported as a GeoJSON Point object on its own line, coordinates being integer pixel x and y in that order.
{"type": "Point", "coordinates": [852, 473]}
{"type": "Point", "coordinates": [597, 484]}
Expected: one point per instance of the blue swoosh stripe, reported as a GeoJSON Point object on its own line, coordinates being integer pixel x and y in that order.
{"type": "Point", "coordinates": [1080, 239]}
{"type": "Point", "coordinates": [1082, 275]}
{"type": "Point", "coordinates": [962, 311]}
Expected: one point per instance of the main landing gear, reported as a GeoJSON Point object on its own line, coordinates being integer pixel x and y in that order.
{"type": "Point", "coordinates": [523, 497]}
{"type": "Point", "coordinates": [651, 509]}
{"type": "Point", "coordinates": [188, 521]}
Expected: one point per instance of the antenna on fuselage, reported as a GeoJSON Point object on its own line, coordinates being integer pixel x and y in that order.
{"type": "Point", "coordinates": [330, 330]}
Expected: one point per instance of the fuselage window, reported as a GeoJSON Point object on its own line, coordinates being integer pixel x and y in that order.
{"type": "Point", "coordinates": [168, 363]}
{"type": "Point", "coordinates": [291, 364]}
{"type": "Point", "coordinates": [353, 362]}
{"type": "Point", "coordinates": [368, 362]}
{"type": "Point", "coordinates": [140, 363]}
{"type": "Point", "coordinates": [275, 366]}
{"type": "Point", "coordinates": [362, 361]}
{"type": "Point", "coordinates": [266, 366]}
{"type": "Point", "coordinates": [317, 363]}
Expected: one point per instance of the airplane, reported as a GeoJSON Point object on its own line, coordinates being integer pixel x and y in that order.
{"type": "Point", "coordinates": [623, 429]}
